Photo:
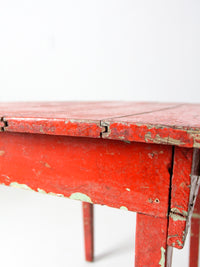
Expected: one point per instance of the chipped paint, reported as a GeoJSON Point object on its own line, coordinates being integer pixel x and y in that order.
{"type": "Point", "coordinates": [183, 212]}
{"type": "Point", "coordinates": [6, 176]}
{"type": "Point", "coordinates": [81, 197]}
{"type": "Point", "coordinates": [41, 191]}
{"type": "Point", "coordinates": [196, 216]}
{"type": "Point", "coordinates": [50, 193]}
{"type": "Point", "coordinates": [47, 165]}
{"type": "Point", "coordinates": [125, 141]}
{"type": "Point", "coordinates": [54, 194]}
{"type": "Point", "coordinates": [179, 243]}
{"type": "Point", "coordinates": [151, 155]}
{"type": "Point", "coordinates": [2, 152]}
{"type": "Point", "coordinates": [170, 236]}
{"type": "Point", "coordinates": [162, 140]}
{"type": "Point", "coordinates": [128, 189]}
{"type": "Point", "coordinates": [21, 186]}
{"type": "Point", "coordinates": [162, 260]}
{"type": "Point", "coordinates": [196, 138]}
{"type": "Point", "coordinates": [123, 208]}
{"type": "Point", "coordinates": [176, 217]}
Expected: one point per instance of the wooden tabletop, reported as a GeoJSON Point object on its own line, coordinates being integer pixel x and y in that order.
{"type": "Point", "coordinates": [150, 122]}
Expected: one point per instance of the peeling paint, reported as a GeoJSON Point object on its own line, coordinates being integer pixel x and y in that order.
{"type": "Point", "coordinates": [123, 208]}
{"type": "Point", "coordinates": [47, 165]}
{"type": "Point", "coordinates": [176, 217]}
{"type": "Point", "coordinates": [196, 139]}
{"type": "Point", "coordinates": [179, 243]}
{"type": "Point", "coordinates": [128, 189]}
{"type": "Point", "coordinates": [41, 191]}
{"type": "Point", "coordinates": [175, 210]}
{"type": "Point", "coordinates": [54, 194]}
{"type": "Point", "coordinates": [2, 152]}
{"type": "Point", "coordinates": [128, 142]}
{"type": "Point", "coordinates": [151, 155]}
{"type": "Point", "coordinates": [162, 140]}
{"type": "Point", "coordinates": [76, 196]}
{"type": "Point", "coordinates": [196, 216]}
{"type": "Point", "coordinates": [170, 236]}
{"type": "Point", "coordinates": [162, 260]}
{"type": "Point", "coordinates": [6, 176]}
{"type": "Point", "coordinates": [50, 193]}
{"type": "Point", "coordinates": [21, 186]}
{"type": "Point", "coordinates": [81, 197]}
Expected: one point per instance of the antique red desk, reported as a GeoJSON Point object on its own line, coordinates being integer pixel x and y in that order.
{"type": "Point", "coordinates": [141, 157]}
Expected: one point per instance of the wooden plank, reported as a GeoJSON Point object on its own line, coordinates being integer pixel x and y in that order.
{"type": "Point", "coordinates": [160, 123]}
{"type": "Point", "coordinates": [151, 242]}
{"type": "Point", "coordinates": [68, 118]}
{"type": "Point", "coordinates": [128, 176]}
{"type": "Point", "coordinates": [179, 126]}
{"type": "Point", "coordinates": [185, 183]}
{"type": "Point", "coordinates": [79, 110]}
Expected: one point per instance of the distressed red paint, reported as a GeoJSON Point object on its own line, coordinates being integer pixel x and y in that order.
{"type": "Point", "coordinates": [178, 125]}
{"type": "Point", "coordinates": [43, 149]}
{"type": "Point", "coordinates": [151, 242]}
{"type": "Point", "coordinates": [161, 123]}
{"type": "Point", "coordinates": [110, 172]}
{"type": "Point", "coordinates": [54, 127]}
{"type": "Point", "coordinates": [186, 164]}
{"type": "Point", "coordinates": [88, 231]}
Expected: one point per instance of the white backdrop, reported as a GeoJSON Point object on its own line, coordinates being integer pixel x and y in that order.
{"type": "Point", "coordinates": [89, 50]}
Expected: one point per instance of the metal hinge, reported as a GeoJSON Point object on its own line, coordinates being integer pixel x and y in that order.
{"type": "Point", "coordinates": [3, 124]}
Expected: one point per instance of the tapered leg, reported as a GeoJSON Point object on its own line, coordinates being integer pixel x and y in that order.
{"type": "Point", "coordinates": [194, 234]}
{"type": "Point", "coordinates": [151, 242]}
{"type": "Point", "coordinates": [88, 230]}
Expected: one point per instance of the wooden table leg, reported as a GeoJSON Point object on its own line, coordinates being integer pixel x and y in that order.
{"type": "Point", "coordinates": [151, 242]}
{"type": "Point", "coordinates": [88, 230]}
{"type": "Point", "coordinates": [194, 234]}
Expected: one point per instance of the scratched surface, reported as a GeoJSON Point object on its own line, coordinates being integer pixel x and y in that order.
{"type": "Point", "coordinates": [128, 176]}
{"type": "Point", "coordinates": [160, 123]}
{"type": "Point", "coordinates": [150, 243]}
{"type": "Point", "coordinates": [179, 125]}
{"type": "Point", "coordinates": [184, 185]}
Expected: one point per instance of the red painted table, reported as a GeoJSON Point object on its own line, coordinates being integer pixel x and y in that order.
{"type": "Point", "coordinates": [141, 157]}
